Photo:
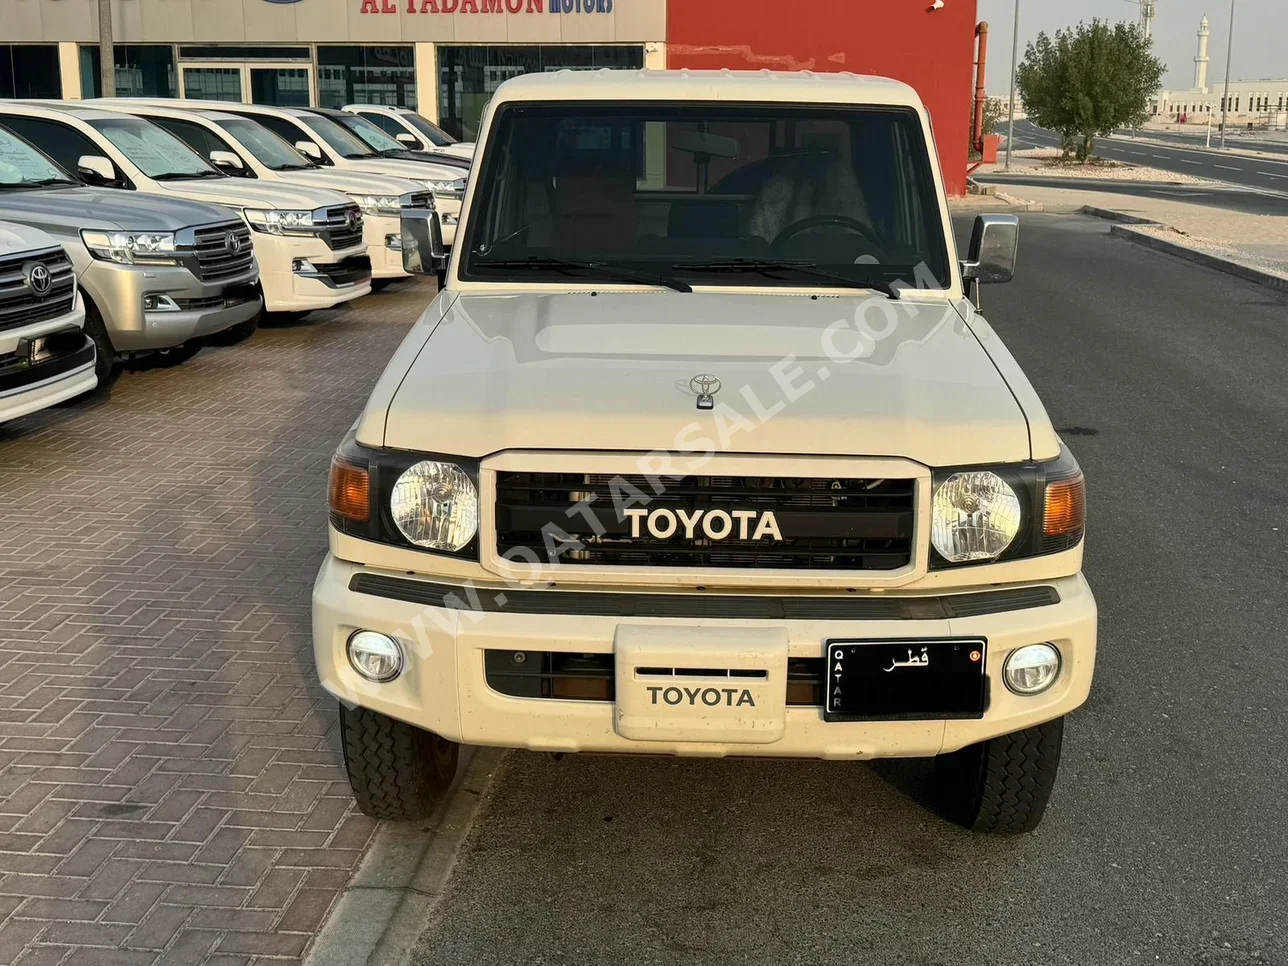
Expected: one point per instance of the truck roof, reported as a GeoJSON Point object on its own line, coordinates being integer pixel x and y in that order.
{"type": "Point", "coordinates": [128, 105]}
{"type": "Point", "coordinates": [700, 85]}
{"type": "Point", "coordinates": [73, 108]}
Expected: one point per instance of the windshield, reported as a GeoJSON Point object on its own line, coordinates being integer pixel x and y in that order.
{"type": "Point", "coordinates": [153, 150]}
{"type": "Point", "coordinates": [270, 150]}
{"type": "Point", "coordinates": [728, 190]}
{"type": "Point", "coordinates": [435, 134]}
{"type": "Point", "coordinates": [375, 137]}
{"type": "Point", "coordinates": [21, 164]}
{"type": "Point", "coordinates": [342, 142]}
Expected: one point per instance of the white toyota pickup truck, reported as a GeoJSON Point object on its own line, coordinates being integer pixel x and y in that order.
{"type": "Point", "coordinates": [704, 449]}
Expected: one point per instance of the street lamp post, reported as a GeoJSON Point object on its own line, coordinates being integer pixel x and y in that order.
{"type": "Point", "coordinates": [1229, 56]}
{"type": "Point", "coordinates": [1015, 56]}
{"type": "Point", "coordinates": [106, 52]}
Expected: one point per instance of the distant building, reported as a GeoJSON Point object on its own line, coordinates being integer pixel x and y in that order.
{"type": "Point", "coordinates": [1258, 102]}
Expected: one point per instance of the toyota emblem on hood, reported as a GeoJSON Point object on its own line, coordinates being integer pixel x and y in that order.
{"type": "Point", "coordinates": [706, 386]}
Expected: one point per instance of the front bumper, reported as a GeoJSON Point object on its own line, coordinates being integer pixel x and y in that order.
{"type": "Point", "coordinates": [119, 290]}
{"type": "Point", "coordinates": [386, 262]}
{"type": "Point", "coordinates": [26, 389]}
{"type": "Point", "coordinates": [449, 214]}
{"type": "Point", "coordinates": [445, 686]}
{"type": "Point", "coordinates": [289, 290]}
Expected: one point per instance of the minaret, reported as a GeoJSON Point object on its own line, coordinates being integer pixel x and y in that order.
{"type": "Point", "coordinates": [1201, 61]}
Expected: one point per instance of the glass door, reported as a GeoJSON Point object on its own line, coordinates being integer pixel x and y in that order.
{"type": "Point", "coordinates": [221, 82]}
{"type": "Point", "coordinates": [281, 85]}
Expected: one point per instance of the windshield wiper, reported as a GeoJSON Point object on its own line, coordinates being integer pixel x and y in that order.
{"type": "Point", "coordinates": [46, 182]}
{"type": "Point", "coordinates": [395, 153]}
{"type": "Point", "coordinates": [294, 167]}
{"type": "Point", "coordinates": [187, 175]}
{"type": "Point", "coordinates": [603, 269]}
{"type": "Point", "coordinates": [766, 266]}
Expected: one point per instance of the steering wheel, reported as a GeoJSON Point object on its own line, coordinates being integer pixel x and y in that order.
{"type": "Point", "coordinates": [818, 221]}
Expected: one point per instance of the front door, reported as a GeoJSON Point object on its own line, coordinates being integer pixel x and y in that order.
{"type": "Point", "coordinates": [282, 85]}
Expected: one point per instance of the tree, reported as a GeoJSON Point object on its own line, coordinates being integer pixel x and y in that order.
{"type": "Point", "coordinates": [1089, 80]}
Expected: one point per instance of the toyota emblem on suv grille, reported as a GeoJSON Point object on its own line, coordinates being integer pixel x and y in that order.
{"type": "Point", "coordinates": [38, 278]}
{"type": "Point", "coordinates": [351, 217]}
{"type": "Point", "coordinates": [232, 242]}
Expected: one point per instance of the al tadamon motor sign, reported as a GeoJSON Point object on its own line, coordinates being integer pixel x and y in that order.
{"type": "Point", "coordinates": [488, 6]}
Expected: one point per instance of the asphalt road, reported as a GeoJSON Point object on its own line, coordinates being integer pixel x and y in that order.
{"type": "Point", "coordinates": [1272, 145]}
{"type": "Point", "coordinates": [1267, 174]}
{"type": "Point", "coordinates": [1165, 841]}
{"type": "Point", "coordinates": [1243, 200]}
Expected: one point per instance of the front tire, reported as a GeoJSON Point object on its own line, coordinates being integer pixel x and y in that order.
{"type": "Point", "coordinates": [396, 770]}
{"type": "Point", "coordinates": [236, 333]}
{"type": "Point", "coordinates": [1001, 786]}
{"type": "Point", "coordinates": [106, 365]}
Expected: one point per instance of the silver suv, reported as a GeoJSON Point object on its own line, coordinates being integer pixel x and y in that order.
{"type": "Point", "coordinates": [156, 273]}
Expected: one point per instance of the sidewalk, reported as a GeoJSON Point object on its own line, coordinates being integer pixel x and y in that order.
{"type": "Point", "coordinates": [1257, 240]}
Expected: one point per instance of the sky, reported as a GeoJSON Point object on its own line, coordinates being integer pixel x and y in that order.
{"type": "Point", "coordinates": [1260, 30]}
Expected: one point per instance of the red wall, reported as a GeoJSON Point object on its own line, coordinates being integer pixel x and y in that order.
{"type": "Point", "coordinates": [934, 51]}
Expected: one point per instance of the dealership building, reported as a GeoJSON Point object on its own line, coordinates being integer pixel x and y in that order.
{"type": "Point", "coordinates": [445, 57]}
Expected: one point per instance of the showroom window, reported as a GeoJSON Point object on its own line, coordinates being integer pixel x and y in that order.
{"type": "Point", "coordinates": [142, 70]}
{"type": "Point", "coordinates": [367, 75]}
{"type": "Point", "coordinates": [30, 70]}
{"type": "Point", "coordinates": [468, 76]}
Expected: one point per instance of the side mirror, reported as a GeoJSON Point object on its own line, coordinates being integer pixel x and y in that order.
{"type": "Point", "coordinates": [409, 139]}
{"type": "Point", "coordinates": [309, 150]}
{"type": "Point", "coordinates": [96, 169]}
{"type": "Point", "coordinates": [228, 161]}
{"type": "Point", "coordinates": [993, 247]}
{"type": "Point", "coordinates": [422, 242]}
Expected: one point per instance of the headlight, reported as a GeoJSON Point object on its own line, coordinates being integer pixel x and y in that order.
{"type": "Point", "coordinates": [436, 506]}
{"type": "Point", "coordinates": [450, 189]}
{"type": "Point", "coordinates": [975, 516]}
{"type": "Point", "coordinates": [131, 247]}
{"type": "Point", "coordinates": [281, 221]}
{"type": "Point", "coordinates": [378, 204]}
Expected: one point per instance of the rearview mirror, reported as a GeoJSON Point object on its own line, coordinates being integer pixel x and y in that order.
{"type": "Point", "coordinates": [993, 247]}
{"type": "Point", "coordinates": [422, 242]}
{"type": "Point", "coordinates": [96, 169]}
{"type": "Point", "coordinates": [408, 139]}
{"type": "Point", "coordinates": [309, 150]}
{"type": "Point", "coordinates": [228, 161]}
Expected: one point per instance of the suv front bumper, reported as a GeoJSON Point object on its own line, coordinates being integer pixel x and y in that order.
{"type": "Point", "coordinates": [444, 687]}
{"type": "Point", "coordinates": [291, 286]}
{"type": "Point", "coordinates": [118, 292]}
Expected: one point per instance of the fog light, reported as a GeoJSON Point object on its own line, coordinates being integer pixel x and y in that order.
{"type": "Point", "coordinates": [377, 657]}
{"type": "Point", "coordinates": [159, 303]}
{"type": "Point", "coordinates": [393, 242]}
{"type": "Point", "coordinates": [302, 266]}
{"type": "Point", "coordinates": [1031, 669]}
{"type": "Point", "coordinates": [448, 219]}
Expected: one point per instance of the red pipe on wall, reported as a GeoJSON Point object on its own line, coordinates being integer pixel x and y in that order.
{"type": "Point", "coordinates": [981, 66]}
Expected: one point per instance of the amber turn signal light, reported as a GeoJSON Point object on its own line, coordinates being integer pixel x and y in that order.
{"type": "Point", "coordinates": [1066, 507]}
{"type": "Point", "coordinates": [350, 491]}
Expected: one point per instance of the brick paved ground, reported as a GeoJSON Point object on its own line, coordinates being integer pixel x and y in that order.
{"type": "Point", "coordinates": [170, 786]}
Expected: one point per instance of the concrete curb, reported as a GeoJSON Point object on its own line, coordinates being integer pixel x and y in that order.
{"type": "Point", "coordinates": [385, 907]}
{"type": "Point", "coordinates": [1229, 266]}
{"type": "Point", "coordinates": [1122, 216]}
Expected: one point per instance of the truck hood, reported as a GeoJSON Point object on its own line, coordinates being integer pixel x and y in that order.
{"type": "Point", "coordinates": [349, 181]}
{"type": "Point", "coordinates": [106, 208]}
{"type": "Point", "coordinates": [419, 171]}
{"type": "Point", "coordinates": [583, 371]}
{"type": "Point", "coordinates": [20, 238]}
{"type": "Point", "coordinates": [240, 193]}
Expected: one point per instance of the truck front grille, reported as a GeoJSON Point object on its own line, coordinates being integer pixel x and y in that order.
{"type": "Point", "coordinates": [343, 227]}
{"type": "Point", "coordinates": [420, 199]}
{"type": "Point", "coordinates": [825, 524]}
{"type": "Point", "coordinates": [19, 303]}
{"type": "Point", "coordinates": [223, 251]}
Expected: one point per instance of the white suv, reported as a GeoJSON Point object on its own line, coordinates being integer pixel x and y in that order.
{"type": "Point", "coordinates": [45, 356]}
{"type": "Point", "coordinates": [705, 450]}
{"type": "Point", "coordinates": [412, 129]}
{"type": "Point", "coordinates": [308, 241]}
{"type": "Point", "coordinates": [244, 148]}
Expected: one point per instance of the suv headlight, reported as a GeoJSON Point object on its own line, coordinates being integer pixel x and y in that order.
{"type": "Point", "coordinates": [281, 221]}
{"type": "Point", "coordinates": [407, 499]}
{"type": "Point", "coordinates": [1005, 512]}
{"type": "Point", "coordinates": [132, 247]}
{"type": "Point", "coordinates": [378, 204]}
{"type": "Point", "coordinates": [448, 189]}
{"type": "Point", "coordinates": [975, 516]}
